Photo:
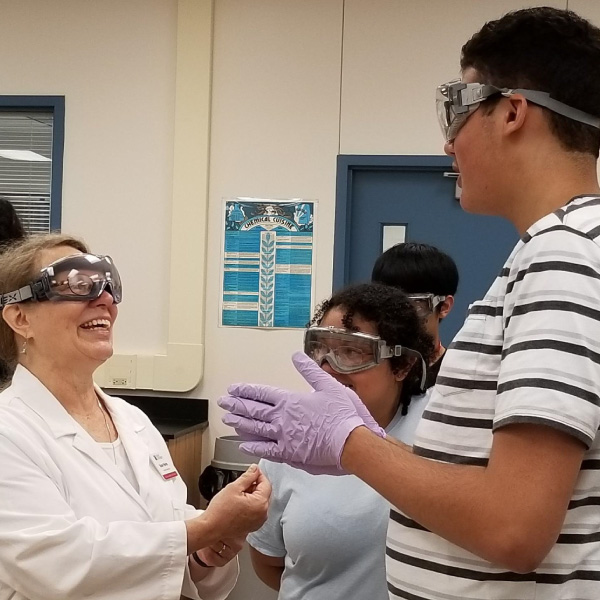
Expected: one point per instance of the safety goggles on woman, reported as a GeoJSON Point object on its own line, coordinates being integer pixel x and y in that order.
{"type": "Point", "coordinates": [425, 304]}
{"type": "Point", "coordinates": [79, 277]}
{"type": "Point", "coordinates": [456, 101]}
{"type": "Point", "coordinates": [352, 351]}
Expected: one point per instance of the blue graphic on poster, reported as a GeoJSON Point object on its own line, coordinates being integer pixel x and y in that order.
{"type": "Point", "coordinates": [267, 263]}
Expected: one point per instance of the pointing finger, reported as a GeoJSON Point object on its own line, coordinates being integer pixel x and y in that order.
{"type": "Point", "coordinates": [260, 393]}
{"type": "Point", "coordinates": [313, 374]}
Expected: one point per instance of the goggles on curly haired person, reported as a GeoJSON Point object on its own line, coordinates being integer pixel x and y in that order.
{"type": "Point", "coordinates": [456, 101]}
{"type": "Point", "coordinates": [79, 277]}
{"type": "Point", "coordinates": [349, 351]}
{"type": "Point", "coordinates": [425, 304]}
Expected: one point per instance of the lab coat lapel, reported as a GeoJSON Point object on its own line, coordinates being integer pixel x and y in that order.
{"type": "Point", "coordinates": [136, 448]}
{"type": "Point", "coordinates": [35, 395]}
{"type": "Point", "coordinates": [88, 446]}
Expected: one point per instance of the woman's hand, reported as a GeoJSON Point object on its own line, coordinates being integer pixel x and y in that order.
{"type": "Point", "coordinates": [222, 552]}
{"type": "Point", "coordinates": [238, 509]}
{"type": "Point", "coordinates": [217, 555]}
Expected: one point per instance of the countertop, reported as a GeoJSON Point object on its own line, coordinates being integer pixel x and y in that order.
{"type": "Point", "coordinates": [172, 416]}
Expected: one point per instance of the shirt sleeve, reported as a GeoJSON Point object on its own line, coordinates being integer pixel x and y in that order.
{"type": "Point", "coordinates": [217, 585]}
{"type": "Point", "coordinates": [269, 538]}
{"type": "Point", "coordinates": [550, 369]}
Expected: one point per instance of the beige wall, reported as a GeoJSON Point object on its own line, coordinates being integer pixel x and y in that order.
{"type": "Point", "coordinates": [294, 83]}
{"type": "Point", "coordinates": [114, 61]}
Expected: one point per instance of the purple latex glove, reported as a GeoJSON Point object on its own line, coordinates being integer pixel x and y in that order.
{"type": "Point", "coordinates": [305, 429]}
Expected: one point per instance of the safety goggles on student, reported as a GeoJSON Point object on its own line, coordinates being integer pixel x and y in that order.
{"type": "Point", "coordinates": [352, 351]}
{"type": "Point", "coordinates": [425, 304]}
{"type": "Point", "coordinates": [456, 101]}
{"type": "Point", "coordinates": [79, 277]}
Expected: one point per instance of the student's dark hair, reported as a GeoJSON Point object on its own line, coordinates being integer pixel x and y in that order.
{"type": "Point", "coordinates": [11, 228]}
{"type": "Point", "coordinates": [417, 268]}
{"type": "Point", "coordinates": [395, 320]}
{"type": "Point", "coordinates": [11, 231]}
{"type": "Point", "coordinates": [549, 50]}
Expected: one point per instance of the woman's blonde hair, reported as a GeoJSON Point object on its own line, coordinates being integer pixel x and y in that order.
{"type": "Point", "coordinates": [20, 265]}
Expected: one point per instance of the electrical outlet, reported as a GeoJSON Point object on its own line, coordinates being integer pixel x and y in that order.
{"type": "Point", "coordinates": [119, 381]}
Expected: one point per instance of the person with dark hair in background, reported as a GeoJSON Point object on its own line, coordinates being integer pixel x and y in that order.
{"type": "Point", "coordinates": [11, 230]}
{"type": "Point", "coordinates": [498, 497]}
{"type": "Point", "coordinates": [325, 536]}
{"type": "Point", "coordinates": [430, 278]}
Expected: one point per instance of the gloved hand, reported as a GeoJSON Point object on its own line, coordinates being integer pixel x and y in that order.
{"type": "Point", "coordinates": [305, 429]}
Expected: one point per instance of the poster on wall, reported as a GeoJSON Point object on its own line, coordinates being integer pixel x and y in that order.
{"type": "Point", "coordinates": [267, 264]}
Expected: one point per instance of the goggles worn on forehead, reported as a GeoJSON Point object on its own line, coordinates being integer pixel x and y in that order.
{"type": "Point", "coordinates": [79, 277]}
{"type": "Point", "coordinates": [425, 304]}
{"type": "Point", "coordinates": [456, 101]}
{"type": "Point", "coordinates": [352, 351]}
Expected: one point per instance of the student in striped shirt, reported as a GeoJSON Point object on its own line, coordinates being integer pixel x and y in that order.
{"type": "Point", "coordinates": [499, 497]}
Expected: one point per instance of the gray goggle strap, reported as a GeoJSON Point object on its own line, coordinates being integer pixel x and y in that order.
{"type": "Point", "coordinates": [462, 96]}
{"type": "Point", "coordinates": [41, 288]}
{"type": "Point", "coordinates": [20, 295]}
{"type": "Point", "coordinates": [388, 352]}
{"type": "Point", "coordinates": [544, 99]}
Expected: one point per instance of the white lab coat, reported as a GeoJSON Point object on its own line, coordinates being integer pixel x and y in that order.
{"type": "Point", "coordinates": [72, 526]}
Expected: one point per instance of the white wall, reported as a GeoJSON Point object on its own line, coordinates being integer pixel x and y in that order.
{"type": "Point", "coordinates": [295, 82]}
{"type": "Point", "coordinates": [275, 134]}
{"type": "Point", "coordinates": [115, 62]}
{"type": "Point", "coordinates": [396, 52]}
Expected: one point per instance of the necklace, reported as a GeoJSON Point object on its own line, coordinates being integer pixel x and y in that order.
{"type": "Point", "coordinates": [108, 431]}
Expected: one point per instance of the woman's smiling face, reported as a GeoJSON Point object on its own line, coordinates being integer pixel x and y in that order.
{"type": "Point", "coordinates": [70, 334]}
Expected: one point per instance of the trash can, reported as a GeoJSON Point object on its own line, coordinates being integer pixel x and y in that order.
{"type": "Point", "coordinates": [226, 466]}
{"type": "Point", "coordinates": [228, 463]}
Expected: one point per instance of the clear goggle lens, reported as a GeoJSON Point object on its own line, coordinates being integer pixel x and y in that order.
{"type": "Point", "coordinates": [353, 351]}
{"type": "Point", "coordinates": [79, 277]}
{"type": "Point", "coordinates": [82, 277]}
{"type": "Point", "coordinates": [342, 358]}
{"type": "Point", "coordinates": [456, 101]}
{"type": "Point", "coordinates": [425, 304]}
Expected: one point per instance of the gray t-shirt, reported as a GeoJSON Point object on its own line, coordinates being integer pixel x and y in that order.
{"type": "Point", "coordinates": [331, 530]}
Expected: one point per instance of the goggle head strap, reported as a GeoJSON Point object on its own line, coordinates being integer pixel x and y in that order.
{"type": "Point", "coordinates": [41, 288]}
{"type": "Point", "coordinates": [544, 99]}
{"type": "Point", "coordinates": [388, 352]}
{"type": "Point", "coordinates": [20, 295]}
{"type": "Point", "coordinates": [463, 97]}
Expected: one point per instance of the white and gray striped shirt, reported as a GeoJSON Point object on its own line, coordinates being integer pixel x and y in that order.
{"type": "Point", "coordinates": [529, 352]}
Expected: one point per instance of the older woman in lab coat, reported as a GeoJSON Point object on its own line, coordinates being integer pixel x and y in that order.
{"type": "Point", "coordinates": [91, 505]}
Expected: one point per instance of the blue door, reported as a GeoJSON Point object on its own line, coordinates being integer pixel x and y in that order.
{"type": "Point", "coordinates": [375, 191]}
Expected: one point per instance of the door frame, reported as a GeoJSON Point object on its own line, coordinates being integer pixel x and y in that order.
{"type": "Point", "coordinates": [347, 164]}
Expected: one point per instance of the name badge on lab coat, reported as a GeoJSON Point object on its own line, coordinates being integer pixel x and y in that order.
{"type": "Point", "coordinates": [164, 466]}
